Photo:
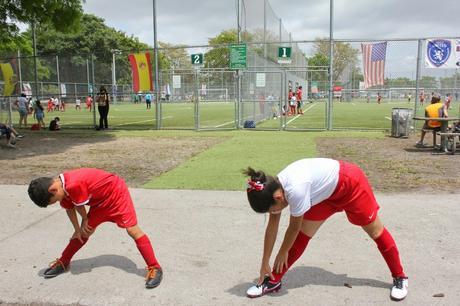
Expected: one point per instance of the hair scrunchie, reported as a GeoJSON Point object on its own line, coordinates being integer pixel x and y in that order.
{"type": "Point", "coordinates": [257, 186]}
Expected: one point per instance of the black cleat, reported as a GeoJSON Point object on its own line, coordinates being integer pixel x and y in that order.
{"type": "Point", "coordinates": [56, 267]}
{"type": "Point", "coordinates": [153, 277]}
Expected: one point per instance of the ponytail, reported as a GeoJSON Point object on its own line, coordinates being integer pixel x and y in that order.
{"type": "Point", "coordinates": [260, 189]}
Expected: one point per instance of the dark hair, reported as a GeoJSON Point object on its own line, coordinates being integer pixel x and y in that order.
{"type": "Point", "coordinates": [261, 200]}
{"type": "Point", "coordinates": [39, 105]}
{"type": "Point", "coordinates": [102, 89]}
{"type": "Point", "coordinates": [38, 191]}
{"type": "Point", "coordinates": [435, 99]}
{"type": "Point", "coordinates": [57, 119]}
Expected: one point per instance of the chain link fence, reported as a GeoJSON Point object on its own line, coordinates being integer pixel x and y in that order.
{"type": "Point", "coordinates": [212, 96]}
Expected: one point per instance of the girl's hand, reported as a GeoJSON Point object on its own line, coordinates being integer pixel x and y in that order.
{"type": "Point", "coordinates": [265, 270]}
{"type": "Point", "coordinates": [77, 235]}
{"type": "Point", "coordinates": [85, 228]}
{"type": "Point", "coordinates": [281, 262]}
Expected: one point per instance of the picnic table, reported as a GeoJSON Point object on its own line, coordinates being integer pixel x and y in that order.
{"type": "Point", "coordinates": [443, 130]}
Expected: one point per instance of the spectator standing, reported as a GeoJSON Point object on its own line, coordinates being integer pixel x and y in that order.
{"type": "Point", "coordinates": [103, 101]}
{"type": "Point", "coordinates": [148, 100]}
{"type": "Point", "coordinates": [39, 114]}
{"type": "Point", "coordinates": [22, 105]}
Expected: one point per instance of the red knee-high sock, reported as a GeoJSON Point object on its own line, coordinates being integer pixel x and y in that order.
{"type": "Point", "coordinates": [145, 247]}
{"type": "Point", "coordinates": [294, 253]}
{"type": "Point", "coordinates": [70, 250]}
{"type": "Point", "coordinates": [387, 246]}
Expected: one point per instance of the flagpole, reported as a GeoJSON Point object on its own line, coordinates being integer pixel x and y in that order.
{"type": "Point", "coordinates": [157, 86]}
{"type": "Point", "coordinates": [331, 62]}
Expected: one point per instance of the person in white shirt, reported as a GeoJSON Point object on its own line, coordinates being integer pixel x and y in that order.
{"type": "Point", "coordinates": [314, 189]}
{"type": "Point", "coordinates": [78, 104]}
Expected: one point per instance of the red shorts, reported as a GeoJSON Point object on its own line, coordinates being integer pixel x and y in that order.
{"type": "Point", "coordinates": [353, 195]}
{"type": "Point", "coordinates": [120, 211]}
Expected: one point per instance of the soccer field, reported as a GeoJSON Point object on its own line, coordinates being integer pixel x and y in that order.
{"type": "Point", "coordinates": [221, 115]}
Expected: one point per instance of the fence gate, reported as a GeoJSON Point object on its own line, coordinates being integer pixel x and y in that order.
{"type": "Point", "coordinates": [261, 100]}
{"type": "Point", "coordinates": [309, 113]}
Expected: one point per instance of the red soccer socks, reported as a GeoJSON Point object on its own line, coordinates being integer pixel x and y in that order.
{"type": "Point", "coordinates": [145, 247]}
{"type": "Point", "coordinates": [387, 247]}
{"type": "Point", "coordinates": [70, 250]}
{"type": "Point", "coordinates": [294, 253]}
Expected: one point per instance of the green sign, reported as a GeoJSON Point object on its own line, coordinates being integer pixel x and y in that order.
{"type": "Point", "coordinates": [197, 59]}
{"type": "Point", "coordinates": [284, 55]}
{"type": "Point", "coordinates": [284, 52]}
{"type": "Point", "coordinates": [237, 56]}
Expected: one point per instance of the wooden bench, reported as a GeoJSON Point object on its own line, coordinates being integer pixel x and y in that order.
{"type": "Point", "coordinates": [450, 136]}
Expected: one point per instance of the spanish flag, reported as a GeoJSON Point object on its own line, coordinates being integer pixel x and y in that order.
{"type": "Point", "coordinates": [142, 71]}
{"type": "Point", "coordinates": [9, 78]}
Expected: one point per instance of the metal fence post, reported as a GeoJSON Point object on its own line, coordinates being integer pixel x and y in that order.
{"type": "Point", "coordinates": [92, 89]}
{"type": "Point", "coordinates": [417, 75]}
{"type": "Point", "coordinates": [331, 65]}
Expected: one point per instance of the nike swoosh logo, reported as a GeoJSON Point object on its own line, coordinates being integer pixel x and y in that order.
{"type": "Point", "coordinates": [370, 217]}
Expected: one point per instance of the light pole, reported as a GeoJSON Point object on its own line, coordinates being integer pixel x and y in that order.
{"type": "Point", "coordinates": [114, 76]}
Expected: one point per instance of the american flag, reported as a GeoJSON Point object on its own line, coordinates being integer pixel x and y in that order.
{"type": "Point", "coordinates": [374, 63]}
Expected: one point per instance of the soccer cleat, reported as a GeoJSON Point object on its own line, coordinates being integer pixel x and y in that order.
{"type": "Point", "coordinates": [56, 267]}
{"type": "Point", "coordinates": [264, 288]}
{"type": "Point", "coordinates": [399, 290]}
{"type": "Point", "coordinates": [153, 277]}
{"type": "Point", "coordinates": [420, 144]}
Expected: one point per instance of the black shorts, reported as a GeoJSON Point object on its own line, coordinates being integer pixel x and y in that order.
{"type": "Point", "coordinates": [426, 127]}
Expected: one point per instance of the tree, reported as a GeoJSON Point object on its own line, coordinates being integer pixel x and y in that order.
{"type": "Point", "coordinates": [344, 56]}
{"type": "Point", "coordinates": [74, 48]}
{"type": "Point", "coordinates": [63, 15]}
{"type": "Point", "coordinates": [219, 55]}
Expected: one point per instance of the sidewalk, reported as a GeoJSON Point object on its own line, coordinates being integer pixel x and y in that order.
{"type": "Point", "coordinates": [210, 244]}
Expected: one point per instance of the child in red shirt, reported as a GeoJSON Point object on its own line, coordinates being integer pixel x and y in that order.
{"type": "Point", "coordinates": [108, 199]}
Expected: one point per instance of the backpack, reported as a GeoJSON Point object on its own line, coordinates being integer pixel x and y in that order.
{"type": "Point", "coordinates": [249, 124]}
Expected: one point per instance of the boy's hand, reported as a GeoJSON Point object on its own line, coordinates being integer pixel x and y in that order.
{"type": "Point", "coordinates": [77, 235]}
{"type": "Point", "coordinates": [85, 228]}
{"type": "Point", "coordinates": [265, 270]}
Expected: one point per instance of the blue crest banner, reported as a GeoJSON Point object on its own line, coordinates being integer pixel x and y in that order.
{"type": "Point", "coordinates": [442, 53]}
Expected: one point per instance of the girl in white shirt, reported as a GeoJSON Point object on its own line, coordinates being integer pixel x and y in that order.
{"type": "Point", "coordinates": [314, 189]}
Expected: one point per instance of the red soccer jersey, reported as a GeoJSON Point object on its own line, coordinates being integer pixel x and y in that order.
{"type": "Point", "coordinates": [91, 187]}
{"type": "Point", "coordinates": [299, 94]}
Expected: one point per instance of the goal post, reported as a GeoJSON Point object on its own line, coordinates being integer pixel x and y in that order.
{"type": "Point", "coordinates": [214, 94]}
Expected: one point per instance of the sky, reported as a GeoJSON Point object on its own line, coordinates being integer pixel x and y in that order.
{"type": "Point", "coordinates": [192, 23]}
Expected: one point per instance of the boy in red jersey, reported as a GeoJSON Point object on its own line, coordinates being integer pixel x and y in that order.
{"type": "Point", "coordinates": [108, 199]}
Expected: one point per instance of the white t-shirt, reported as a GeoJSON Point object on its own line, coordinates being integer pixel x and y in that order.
{"type": "Point", "coordinates": [307, 182]}
{"type": "Point", "coordinates": [22, 102]}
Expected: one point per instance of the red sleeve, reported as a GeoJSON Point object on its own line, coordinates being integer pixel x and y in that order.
{"type": "Point", "coordinates": [66, 203]}
{"type": "Point", "coordinates": [78, 193]}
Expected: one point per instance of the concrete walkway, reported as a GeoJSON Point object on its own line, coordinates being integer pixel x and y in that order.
{"type": "Point", "coordinates": [210, 244]}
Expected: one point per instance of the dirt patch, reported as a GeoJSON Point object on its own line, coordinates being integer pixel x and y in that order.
{"type": "Point", "coordinates": [396, 165]}
{"type": "Point", "coordinates": [136, 159]}
{"type": "Point", "coordinates": [392, 165]}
